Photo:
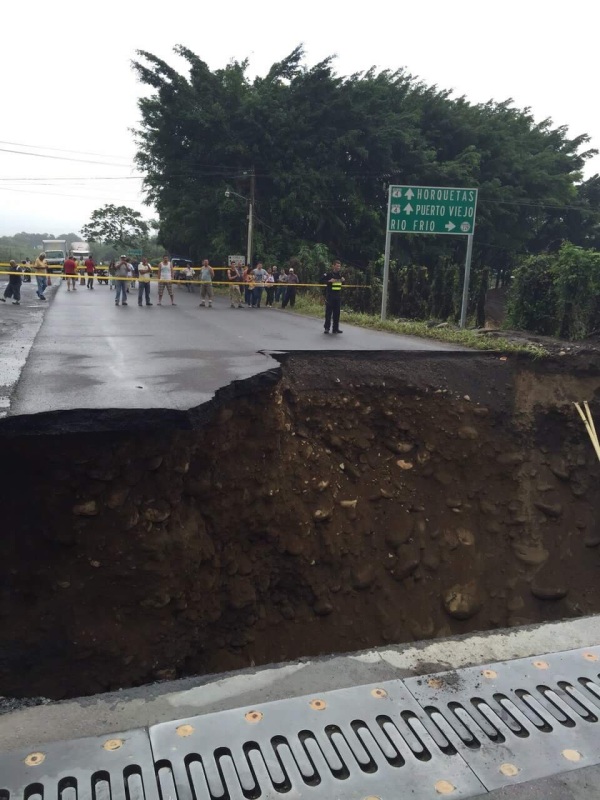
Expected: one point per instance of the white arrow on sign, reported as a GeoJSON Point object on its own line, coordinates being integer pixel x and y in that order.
{"type": "Point", "coordinates": [408, 208]}
{"type": "Point", "coordinates": [410, 194]}
{"type": "Point", "coordinates": [449, 226]}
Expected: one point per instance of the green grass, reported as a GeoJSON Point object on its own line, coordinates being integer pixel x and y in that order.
{"type": "Point", "coordinates": [466, 338]}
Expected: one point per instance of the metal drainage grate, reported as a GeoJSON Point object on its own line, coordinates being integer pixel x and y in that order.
{"type": "Point", "coordinates": [112, 767]}
{"type": "Point", "coordinates": [519, 720]}
{"type": "Point", "coordinates": [365, 742]}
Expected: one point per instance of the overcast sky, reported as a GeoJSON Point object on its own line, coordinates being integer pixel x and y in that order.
{"type": "Point", "coordinates": [67, 81]}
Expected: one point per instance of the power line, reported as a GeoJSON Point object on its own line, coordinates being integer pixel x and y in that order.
{"type": "Point", "coordinates": [61, 158]}
{"type": "Point", "coordinates": [59, 150]}
{"type": "Point", "coordinates": [58, 194]}
{"type": "Point", "coordinates": [90, 178]}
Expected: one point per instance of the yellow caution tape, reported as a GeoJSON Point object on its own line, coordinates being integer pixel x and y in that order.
{"type": "Point", "coordinates": [77, 276]}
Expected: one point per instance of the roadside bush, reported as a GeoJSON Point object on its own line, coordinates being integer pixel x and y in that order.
{"type": "Point", "coordinates": [532, 301]}
{"type": "Point", "coordinates": [577, 279]}
{"type": "Point", "coordinates": [557, 294]}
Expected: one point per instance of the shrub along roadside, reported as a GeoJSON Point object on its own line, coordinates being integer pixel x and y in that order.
{"type": "Point", "coordinates": [310, 306]}
{"type": "Point", "coordinates": [557, 294]}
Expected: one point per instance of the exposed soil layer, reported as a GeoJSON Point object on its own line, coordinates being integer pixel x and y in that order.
{"type": "Point", "coordinates": [356, 501]}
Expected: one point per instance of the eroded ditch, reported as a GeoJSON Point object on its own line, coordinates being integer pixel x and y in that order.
{"type": "Point", "coordinates": [356, 501]}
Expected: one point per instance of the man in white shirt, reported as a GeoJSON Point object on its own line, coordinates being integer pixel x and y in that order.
{"type": "Point", "coordinates": [165, 278]}
{"type": "Point", "coordinates": [189, 275]}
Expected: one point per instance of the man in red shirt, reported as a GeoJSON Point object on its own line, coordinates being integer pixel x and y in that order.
{"type": "Point", "coordinates": [89, 268]}
{"type": "Point", "coordinates": [70, 269]}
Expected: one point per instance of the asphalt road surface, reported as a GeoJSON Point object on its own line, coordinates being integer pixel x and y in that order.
{"type": "Point", "coordinates": [91, 354]}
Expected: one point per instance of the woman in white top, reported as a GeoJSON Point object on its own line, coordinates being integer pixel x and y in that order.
{"type": "Point", "coordinates": [165, 276]}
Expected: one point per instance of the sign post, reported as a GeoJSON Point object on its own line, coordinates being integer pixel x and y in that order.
{"type": "Point", "coordinates": [437, 210]}
{"type": "Point", "coordinates": [465, 294]}
{"type": "Point", "coordinates": [386, 265]}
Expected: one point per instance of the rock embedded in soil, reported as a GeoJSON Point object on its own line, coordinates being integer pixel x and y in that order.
{"type": "Point", "coordinates": [86, 509]}
{"type": "Point", "coordinates": [530, 554]}
{"type": "Point", "coordinates": [462, 601]}
{"type": "Point", "coordinates": [545, 591]}
{"type": "Point", "coordinates": [323, 608]}
{"type": "Point", "coordinates": [552, 510]}
{"type": "Point", "coordinates": [363, 577]}
{"type": "Point", "coordinates": [157, 513]}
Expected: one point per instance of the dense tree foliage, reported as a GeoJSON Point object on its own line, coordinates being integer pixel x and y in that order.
{"type": "Point", "coordinates": [321, 150]}
{"type": "Point", "coordinates": [324, 148]}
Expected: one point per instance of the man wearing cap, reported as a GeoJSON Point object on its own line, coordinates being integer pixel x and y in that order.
{"type": "Point", "coordinates": [290, 291]}
{"type": "Point", "coordinates": [333, 281]}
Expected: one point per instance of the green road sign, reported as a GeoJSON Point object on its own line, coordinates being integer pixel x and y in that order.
{"type": "Point", "coordinates": [432, 209]}
{"type": "Point", "coordinates": [134, 252]}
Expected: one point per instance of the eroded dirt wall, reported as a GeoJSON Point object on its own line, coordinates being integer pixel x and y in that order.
{"type": "Point", "coordinates": [355, 503]}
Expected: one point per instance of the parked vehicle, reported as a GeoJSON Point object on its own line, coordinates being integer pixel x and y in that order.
{"type": "Point", "coordinates": [80, 251]}
{"type": "Point", "coordinates": [56, 252]}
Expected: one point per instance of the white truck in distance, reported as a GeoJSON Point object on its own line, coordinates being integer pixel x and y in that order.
{"type": "Point", "coordinates": [56, 252]}
{"type": "Point", "coordinates": [80, 251]}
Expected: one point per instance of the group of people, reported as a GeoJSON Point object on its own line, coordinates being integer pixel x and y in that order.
{"type": "Point", "coordinates": [72, 271]}
{"type": "Point", "coordinates": [246, 285]}
{"type": "Point", "coordinates": [244, 282]}
{"type": "Point", "coordinates": [277, 285]}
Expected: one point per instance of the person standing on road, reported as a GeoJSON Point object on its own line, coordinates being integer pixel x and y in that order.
{"type": "Point", "coordinates": [144, 274]}
{"type": "Point", "coordinates": [14, 285]}
{"type": "Point", "coordinates": [165, 279]}
{"type": "Point", "coordinates": [70, 270]}
{"type": "Point", "coordinates": [80, 270]}
{"type": "Point", "coordinates": [290, 292]}
{"type": "Point", "coordinates": [207, 275]}
{"type": "Point", "coordinates": [282, 286]}
{"type": "Point", "coordinates": [270, 288]}
{"type": "Point", "coordinates": [41, 270]}
{"type": "Point", "coordinates": [260, 277]}
{"type": "Point", "coordinates": [333, 296]}
{"type": "Point", "coordinates": [189, 276]}
{"type": "Point", "coordinates": [278, 288]}
{"type": "Point", "coordinates": [234, 276]}
{"type": "Point", "coordinates": [131, 276]}
{"type": "Point", "coordinates": [111, 271]}
{"type": "Point", "coordinates": [121, 274]}
{"type": "Point", "coordinates": [90, 267]}
{"type": "Point", "coordinates": [248, 279]}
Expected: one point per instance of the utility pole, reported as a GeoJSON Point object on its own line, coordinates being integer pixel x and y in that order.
{"type": "Point", "coordinates": [251, 218]}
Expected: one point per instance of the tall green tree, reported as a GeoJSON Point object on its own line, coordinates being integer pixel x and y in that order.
{"type": "Point", "coordinates": [118, 226]}
{"type": "Point", "coordinates": [323, 149]}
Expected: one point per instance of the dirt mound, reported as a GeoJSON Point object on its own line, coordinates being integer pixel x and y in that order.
{"type": "Point", "coordinates": [359, 501]}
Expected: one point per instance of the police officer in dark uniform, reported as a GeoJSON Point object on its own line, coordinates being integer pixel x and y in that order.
{"type": "Point", "coordinates": [333, 297]}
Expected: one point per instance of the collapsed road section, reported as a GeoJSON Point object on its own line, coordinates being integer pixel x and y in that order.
{"type": "Point", "coordinates": [336, 503]}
